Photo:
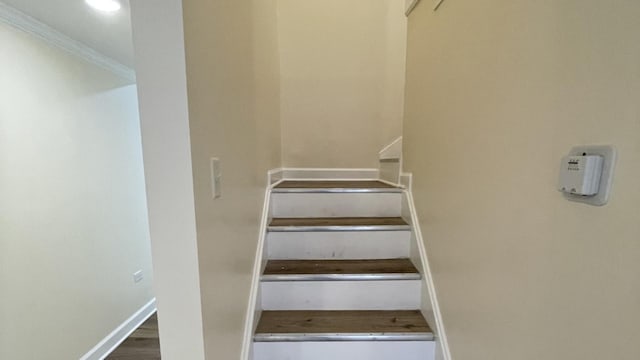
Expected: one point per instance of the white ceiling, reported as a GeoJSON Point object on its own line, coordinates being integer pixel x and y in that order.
{"type": "Point", "coordinates": [109, 34]}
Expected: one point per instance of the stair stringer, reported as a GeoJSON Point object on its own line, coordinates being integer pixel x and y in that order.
{"type": "Point", "coordinates": [418, 254]}
{"type": "Point", "coordinates": [254, 306]}
{"type": "Point", "coordinates": [390, 162]}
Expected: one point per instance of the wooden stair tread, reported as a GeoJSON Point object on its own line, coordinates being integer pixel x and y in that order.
{"type": "Point", "coordinates": [342, 322]}
{"type": "Point", "coordinates": [374, 266]}
{"type": "Point", "coordinates": [334, 184]}
{"type": "Point", "coordinates": [339, 221]}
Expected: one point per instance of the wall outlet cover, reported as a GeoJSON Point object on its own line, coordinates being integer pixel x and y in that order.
{"type": "Point", "coordinates": [138, 276]}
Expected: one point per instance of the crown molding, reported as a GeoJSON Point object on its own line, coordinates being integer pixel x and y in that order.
{"type": "Point", "coordinates": [28, 24]}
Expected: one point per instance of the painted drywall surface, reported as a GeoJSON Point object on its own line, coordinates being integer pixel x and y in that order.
{"type": "Point", "coordinates": [496, 95]}
{"type": "Point", "coordinates": [342, 80]}
{"type": "Point", "coordinates": [232, 75]}
{"type": "Point", "coordinates": [162, 84]}
{"type": "Point", "coordinates": [73, 219]}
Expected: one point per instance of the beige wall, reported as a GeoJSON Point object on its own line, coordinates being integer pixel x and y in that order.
{"type": "Point", "coordinates": [73, 219]}
{"type": "Point", "coordinates": [232, 75]}
{"type": "Point", "coordinates": [342, 72]}
{"type": "Point", "coordinates": [496, 94]}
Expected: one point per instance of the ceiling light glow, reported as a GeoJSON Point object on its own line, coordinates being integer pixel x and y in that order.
{"type": "Point", "coordinates": [108, 6]}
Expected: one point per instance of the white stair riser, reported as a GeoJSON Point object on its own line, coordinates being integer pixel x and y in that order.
{"type": "Point", "coordinates": [335, 204]}
{"type": "Point", "coordinates": [319, 245]}
{"type": "Point", "coordinates": [348, 350]}
{"type": "Point", "coordinates": [341, 295]}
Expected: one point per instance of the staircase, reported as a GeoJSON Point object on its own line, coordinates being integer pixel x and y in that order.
{"type": "Point", "coordinates": [338, 282]}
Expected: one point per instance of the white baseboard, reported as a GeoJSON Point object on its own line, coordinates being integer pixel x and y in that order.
{"type": "Point", "coordinates": [120, 334]}
{"type": "Point", "coordinates": [392, 151]}
{"type": "Point", "coordinates": [410, 5]}
{"type": "Point", "coordinates": [430, 296]}
{"type": "Point", "coordinates": [254, 308]}
{"type": "Point", "coordinates": [406, 180]}
{"type": "Point", "coordinates": [328, 174]}
{"type": "Point", "coordinates": [390, 162]}
{"type": "Point", "coordinates": [274, 175]}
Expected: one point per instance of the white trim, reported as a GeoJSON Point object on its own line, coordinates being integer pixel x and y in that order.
{"type": "Point", "coordinates": [406, 180]}
{"type": "Point", "coordinates": [329, 174]}
{"type": "Point", "coordinates": [392, 151]}
{"type": "Point", "coordinates": [28, 24]}
{"type": "Point", "coordinates": [398, 185]}
{"type": "Point", "coordinates": [121, 333]}
{"type": "Point", "coordinates": [412, 5]}
{"type": "Point", "coordinates": [274, 176]}
{"type": "Point", "coordinates": [253, 308]}
{"type": "Point", "coordinates": [428, 279]}
{"type": "Point", "coordinates": [391, 171]}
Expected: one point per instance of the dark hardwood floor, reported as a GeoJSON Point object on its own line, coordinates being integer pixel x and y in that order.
{"type": "Point", "coordinates": [142, 344]}
{"type": "Point", "coordinates": [368, 266]}
{"type": "Point", "coordinates": [333, 184]}
{"type": "Point", "coordinates": [341, 321]}
{"type": "Point", "coordinates": [339, 221]}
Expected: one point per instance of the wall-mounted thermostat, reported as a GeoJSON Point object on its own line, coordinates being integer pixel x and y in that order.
{"type": "Point", "coordinates": [586, 174]}
{"type": "Point", "coordinates": [580, 174]}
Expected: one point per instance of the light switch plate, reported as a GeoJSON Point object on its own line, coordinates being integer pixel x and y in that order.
{"type": "Point", "coordinates": [216, 178]}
